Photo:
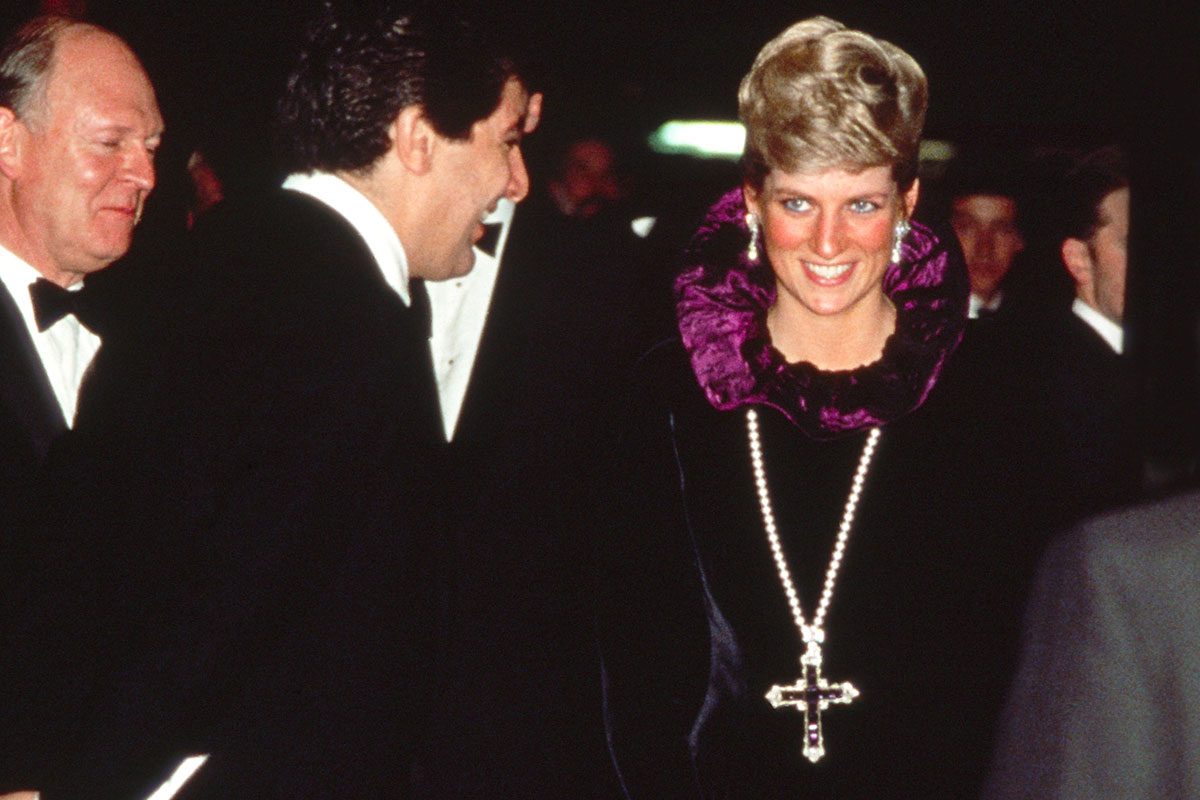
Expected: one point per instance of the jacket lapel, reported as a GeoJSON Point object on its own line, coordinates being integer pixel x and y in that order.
{"type": "Point", "coordinates": [25, 392]}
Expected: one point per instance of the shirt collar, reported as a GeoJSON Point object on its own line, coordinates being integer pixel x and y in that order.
{"type": "Point", "coordinates": [975, 304]}
{"type": "Point", "coordinates": [1111, 332]}
{"type": "Point", "coordinates": [18, 275]}
{"type": "Point", "coordinates": [380, 237]}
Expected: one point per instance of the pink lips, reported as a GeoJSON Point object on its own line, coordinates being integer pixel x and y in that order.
{"type": "Point", "coordinates": [124, 211]}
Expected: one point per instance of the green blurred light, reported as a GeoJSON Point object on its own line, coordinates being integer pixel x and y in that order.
{"type": "Point", "coordinates": [700, 138]}
{"type": "Point", "coordinates": [937, 150]}
{"type": "Point", "coordinates": [727, 140]}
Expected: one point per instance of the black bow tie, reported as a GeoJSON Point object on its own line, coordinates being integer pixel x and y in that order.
{"type": "Point", "coordinates": [491, 237]}
{"type": "Point", "coordinates": [51, 303]}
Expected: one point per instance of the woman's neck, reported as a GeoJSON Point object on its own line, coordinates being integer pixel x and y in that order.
{"type": "Point", "coordinates": [839, 342]}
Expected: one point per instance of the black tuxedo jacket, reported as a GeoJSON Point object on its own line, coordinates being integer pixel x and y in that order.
{"type": "Point", "coordinates": [31, 420]}
{"type": "Point", "coordinates": [518, 698]}
{"type": "Point", "coordinates": [1087, 399]}
{"type": "Point", "coordinates": [30, 417]}
{"type": "Point", "coordinates": [246, 562]}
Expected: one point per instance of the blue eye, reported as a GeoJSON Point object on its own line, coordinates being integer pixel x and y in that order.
{"type": "Point", "coordinates": [797, 204]}
{"type": "Point", "coordinates": [864, 206]}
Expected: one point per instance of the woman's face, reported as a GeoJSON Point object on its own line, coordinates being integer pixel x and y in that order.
{"type": "Point", "coordinates": [829, 235]}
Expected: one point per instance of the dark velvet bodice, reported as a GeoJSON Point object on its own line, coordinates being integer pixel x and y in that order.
{"type": "Point", "coordinates": [697, 627]}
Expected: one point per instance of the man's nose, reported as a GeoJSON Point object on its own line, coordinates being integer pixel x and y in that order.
{"type": "Point", "coordinates": [139, 167]}
{"type": "Point", "coordinates": [518, 179]}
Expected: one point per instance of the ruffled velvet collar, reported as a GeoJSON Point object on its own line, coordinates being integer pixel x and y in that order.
{"type": "Point", "coordinates": [722, 300]}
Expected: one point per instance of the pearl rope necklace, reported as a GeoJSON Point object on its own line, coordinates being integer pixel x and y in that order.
{"type": "Point", "coordinates": [811, 693]}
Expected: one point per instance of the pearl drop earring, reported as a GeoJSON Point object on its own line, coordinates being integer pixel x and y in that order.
{"type": "Point", "coordinates": [752, 247]}
{"type": "Point", "coordinates": [899, 232]}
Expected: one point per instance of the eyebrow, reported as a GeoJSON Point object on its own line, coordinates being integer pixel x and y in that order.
{"type": "Point", "coordinates": [797, 193]}
{"type": "Point", "coordinates": [118, 128]}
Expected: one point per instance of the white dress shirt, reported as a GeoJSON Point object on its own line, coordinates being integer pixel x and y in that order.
{"type": "Point", "coordinates": [975, 304]}
{"type": "Point", "coordinates": [65, 349]}
{"type": "Point", "coordinates": [459, 309]}
{"type": "Point", "coordinates": [1111, 332]}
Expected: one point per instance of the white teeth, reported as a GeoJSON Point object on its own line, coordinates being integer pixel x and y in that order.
{"type": "Point", "coordinates": [828, 272]}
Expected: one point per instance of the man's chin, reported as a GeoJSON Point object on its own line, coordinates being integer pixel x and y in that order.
{"type": "Point", "coordinates": [465, 264]}
{"type": "Point", "coordinates": [451, 268]}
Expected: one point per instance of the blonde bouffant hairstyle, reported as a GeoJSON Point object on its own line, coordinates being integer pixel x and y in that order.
{"type": "Point", "coordinates": [821, 96]}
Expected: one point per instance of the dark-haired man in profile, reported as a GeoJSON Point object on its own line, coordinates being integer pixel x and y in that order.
{"type": "Point", "coordinates": [1087, 382]}
{"type": "Point", "coordinates": [261, 541]}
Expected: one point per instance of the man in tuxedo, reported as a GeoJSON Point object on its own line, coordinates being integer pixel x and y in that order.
{"type": "Point", "coordinates": [528, 349]}
{"type": "Point", "coordinates": [1090, 438]}
{"type": "Point", "coordinates": [983, 212]}
{"type": "Point", "coordinates": [259, 570]}
{"type": "Point", "coordinates": [1107, 698]}
{"type": "Point", "coordinates": [78, 128]}
{"type": "Point", "coordinates": [1094, 231]}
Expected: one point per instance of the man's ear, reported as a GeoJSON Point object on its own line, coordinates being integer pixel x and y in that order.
{"type": "Point", "coordinates": [533, 112]}
{"type": "Point", "coordinates": [414, 140]}
{"type": "Point", "coordinates": [1078, 260]}
{"type": "Point", "coordinates": [10, 143]}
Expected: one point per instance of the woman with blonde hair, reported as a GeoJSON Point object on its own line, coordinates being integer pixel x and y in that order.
{"type": "Point", "coordinates": [791, 605]}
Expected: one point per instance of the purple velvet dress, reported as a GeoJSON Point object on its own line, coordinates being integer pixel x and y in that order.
{"type": "Point", "coordinates": [694, 625]}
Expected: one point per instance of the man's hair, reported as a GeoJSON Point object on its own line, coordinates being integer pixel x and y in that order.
{"type": "Point", "coordinates": [981, 170]}
{"type": "Point", "coordinates": [821, 96]}
{"type": "Point", "coordinates": [362, 63]}
{"type": "Point", "coordinates": [26, 58]}
{"type": "Point", "coordinates": [1094, 177]}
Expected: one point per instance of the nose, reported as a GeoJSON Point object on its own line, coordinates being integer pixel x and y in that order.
{"type": "Point", "coordinates": [829, 235]}
{"type": "Point", "coordinates": [986, 243]}
{"type": "Point", "coordinates": [518, 176]}
{"type": "Point", "coordinates": [139, 167]}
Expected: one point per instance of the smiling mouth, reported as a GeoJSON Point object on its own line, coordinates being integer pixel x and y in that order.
{"type": "Point", "coordinates": [129, 215]}
{"type": "Point", "coordinates": [828, 272]}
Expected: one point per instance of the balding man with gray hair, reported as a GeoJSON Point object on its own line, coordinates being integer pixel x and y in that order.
{"type": "Point", "coordinates": [79, 124]}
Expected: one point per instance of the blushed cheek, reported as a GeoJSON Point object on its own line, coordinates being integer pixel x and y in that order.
{"type": "Point", "coordinates": [784, 236]}
{"type": "Point", "coordinates": [877, 238]}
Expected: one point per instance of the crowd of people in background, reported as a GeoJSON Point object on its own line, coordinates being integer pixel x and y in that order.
{"type": "Point", "coordinates": [415, 477]}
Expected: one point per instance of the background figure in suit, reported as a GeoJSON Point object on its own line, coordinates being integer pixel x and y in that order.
{"type": "Point", "coordinates": [79, 124]}
{"type": "Point", "coordinates": [256, 572]}
{"type": "Point", "coordinates": [1090, 451]}
{"type": "Point", "coordinates": [1107, 700]}
{"type": "Point", "coordinates": [984, 211]}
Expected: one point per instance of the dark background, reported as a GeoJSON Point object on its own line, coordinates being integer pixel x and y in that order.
{"type": "Point", "coordinates": [1018, 75]}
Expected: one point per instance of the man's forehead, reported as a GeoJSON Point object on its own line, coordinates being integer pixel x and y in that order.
{"type": "Point", "coordinates": [985, 205]}
{"type": "Point", "coordinates": [95, 74]}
